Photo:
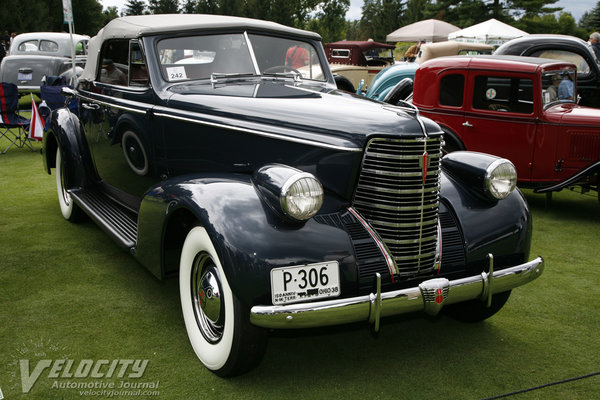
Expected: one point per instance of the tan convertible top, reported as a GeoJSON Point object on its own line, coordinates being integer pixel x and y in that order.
{"type": "Point", "coordinates": [136, 26]}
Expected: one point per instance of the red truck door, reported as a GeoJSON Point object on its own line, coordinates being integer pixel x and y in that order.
{"type": "Point", "coordinates": [499, 117]}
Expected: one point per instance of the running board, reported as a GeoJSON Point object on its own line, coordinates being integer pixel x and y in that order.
{"type": "Point", "coordinates": [111, 216]}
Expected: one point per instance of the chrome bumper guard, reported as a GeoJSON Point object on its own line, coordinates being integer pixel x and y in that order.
{"type": "Point", "coordinates": [430, 296]}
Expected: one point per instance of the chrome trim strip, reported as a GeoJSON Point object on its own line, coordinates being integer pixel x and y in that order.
{"type": "Point", "coordinates": [392, 208]}
{"type": "Point", "coordinates": [143, 107]}
{"type": "Point", "coordinates": [378, 241]}
{"type": "Point", "coordinates": [355, 309]}
{"type": "Point", "coordinates": [256, 132]}
{"type": "Point", "coordinates": [412, 257]}
{"type": "Point", "coordinates": [401, 191]}
{"type": "Point", "coordinates": [163, 113]}
{"type": "Point", "coordinates": [252, 55]}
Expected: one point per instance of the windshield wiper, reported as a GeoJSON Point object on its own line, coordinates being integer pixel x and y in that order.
{"type": "Point", "coordinates": [296, 76]}
{"type": "Point", "coordinates": [217, 77]}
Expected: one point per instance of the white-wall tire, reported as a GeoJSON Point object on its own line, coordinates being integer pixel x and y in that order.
{"type": "Point", "coordinates": [69, 210]}
{"type": "Point", "coordinates": [224, 341]}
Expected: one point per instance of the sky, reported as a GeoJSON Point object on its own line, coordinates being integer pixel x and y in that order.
{"type": "Point", "coordinates": [575, 7]}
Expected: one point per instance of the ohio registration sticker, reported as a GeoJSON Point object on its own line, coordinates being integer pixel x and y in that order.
{"type": "Point", "coordinates": [305, 282]}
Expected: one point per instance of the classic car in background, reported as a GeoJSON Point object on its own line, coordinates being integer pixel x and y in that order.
{"type": "Point", "coordinates": [520, 108]}
{"type": "Point", "coordinates": [385, 86]}
{"type": "Point", "coordinates": [280, 201]}
{"type": "Point", "coordinates": [566, 48]}
{"type": "Point", "coordinates": [37, 54]}
{"type": "Point", "coordinates": [354, 61]}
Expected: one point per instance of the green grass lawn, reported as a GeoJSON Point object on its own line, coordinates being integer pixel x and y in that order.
{"type": "Point", "coordinates": [68, 292]}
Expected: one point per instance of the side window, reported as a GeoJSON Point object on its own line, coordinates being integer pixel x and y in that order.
{"type": "Point", "coordinates": [30, 45]}
{"type": "Point", "coordinates": [340, 53]}
{"type": "Point", "coordinates": [138, 72]}
{"type": "Point", "coordinates": [114, 62]}
{"type": "Point", "coordinates": [503, 94]}
{"type": "Point", "coordinates": [48, 45]}
{"type": "Point", "coordinates": [583, 67]}
{"type": "Point", "coordinates": [452, 90]}
{"type": "Point", "coordinates": [81, 48]}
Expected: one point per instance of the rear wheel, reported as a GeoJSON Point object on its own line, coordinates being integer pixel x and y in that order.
{"type": "Point", "coordinates": [476, 310]}
{"type": "Point", "coordinates": [69, 210]}
{"type": "Point", "coordinates": [217, 324]}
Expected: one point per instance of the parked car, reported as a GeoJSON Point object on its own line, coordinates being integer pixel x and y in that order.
{"type": "Point", "coordinates": [385, 86]}
{"type": "Point", "coordinates": [566, 48]}
{"type": "Point", "coordinates": [354, 61]}
{"type": "Point", "coordinates": [37, 54]}
{"type": "Point", "coordinates": [280, 201]}
{"type": "Point", "coordinates": [512, 107]}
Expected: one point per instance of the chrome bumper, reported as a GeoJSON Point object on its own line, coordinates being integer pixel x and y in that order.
{"type": "Point", "coordinates": [430, 296]}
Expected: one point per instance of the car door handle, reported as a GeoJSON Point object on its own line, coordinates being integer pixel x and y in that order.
{"type": "Point", "coordinates": [90, 106]}
{"type": "Point", "coordinates": [467, 124]}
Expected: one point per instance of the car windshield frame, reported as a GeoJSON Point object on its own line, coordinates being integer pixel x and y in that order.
{"type": "Point", "coordinates": [239, 55]}
{"type": "Point", "coordinates": [554, 78]}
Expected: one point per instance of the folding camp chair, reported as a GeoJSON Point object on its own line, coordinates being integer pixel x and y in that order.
{"type": "Point", "coordinates": [50, 93]}
{"type": "Point", "coordinates": [13, 127]}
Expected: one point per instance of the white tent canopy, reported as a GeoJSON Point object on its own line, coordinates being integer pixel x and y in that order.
{"type": "Point", "coordinates": [430, 30]}
{"type": "Point", "coordinates": [491, 32]}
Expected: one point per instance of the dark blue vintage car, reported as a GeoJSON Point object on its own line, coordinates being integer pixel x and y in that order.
{"type": "Point", "coordinates": [207, 150]}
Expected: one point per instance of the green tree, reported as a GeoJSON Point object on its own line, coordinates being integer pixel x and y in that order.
{"type": "Point", "coordinates": [531, 8]}
{"type": "Point", "coordinates": [590, 20]}
{"type": "Point", "coordinates": [163, 6]}
{"type": "Point", "coordinates": [465, 13]}
{"type": "Point", "coordinates": [109, 14]}
{"type": "Point", "coordinates": [415, 11]}
{"type": "Point", "coordinates": [380, 17]}
{"type": "Point", "coordinates": [330, 20]}
{"type": "Point", "coordinates": [135, 7]}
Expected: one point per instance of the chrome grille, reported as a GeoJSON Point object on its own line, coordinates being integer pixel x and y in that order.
{"type": "Point", "coordinates": [392, 196]}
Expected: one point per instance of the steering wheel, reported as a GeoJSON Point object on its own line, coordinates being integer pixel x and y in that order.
{"type": "Point", "coordinates": [281, 68]}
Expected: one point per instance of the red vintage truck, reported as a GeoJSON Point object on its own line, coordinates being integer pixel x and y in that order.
{"type": "Point", "coordinates": [512, 107]}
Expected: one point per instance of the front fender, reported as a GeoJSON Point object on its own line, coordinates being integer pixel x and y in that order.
{"type": "Point", "coordinates": [249, 237]}
{"type": "Point", "coordinates": [65, 132]}
{"type": "Point", "coordinates": [501, 227]}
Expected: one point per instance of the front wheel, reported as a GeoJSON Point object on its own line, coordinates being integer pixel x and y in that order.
{"type": "Point", "coordinates": [217, 324]}
{"type": "Point", "coordinates": [476, 310]}
{"type": "Point", "coordinates": [69, 210]}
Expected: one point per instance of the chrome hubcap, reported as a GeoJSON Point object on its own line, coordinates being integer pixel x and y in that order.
{"type": "Point", "coordinates": [207, 298]}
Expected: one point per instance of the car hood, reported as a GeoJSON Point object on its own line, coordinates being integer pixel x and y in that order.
{"type": "Point", "coordinates": [573, 114]}
{"type": "Point", "coordinates": [298, 109]}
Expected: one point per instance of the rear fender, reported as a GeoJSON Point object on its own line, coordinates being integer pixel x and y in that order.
{"type": "Point", "coordinates": [249, 237]}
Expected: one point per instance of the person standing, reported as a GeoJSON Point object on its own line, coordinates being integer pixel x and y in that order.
{"type": "Point", "coordinates": [595, 42]}
{"type": "Point", "coordinates": [413, 51]}
{"type": "Point", "coordinates": [566, 87]}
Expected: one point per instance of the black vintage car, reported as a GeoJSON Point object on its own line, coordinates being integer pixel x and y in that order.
{"type": "Point", "coordinates": [566, 48]}
{"type": "Point", "coordinates": [279, 201]}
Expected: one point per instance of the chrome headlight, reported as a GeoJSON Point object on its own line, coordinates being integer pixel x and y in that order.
{"type": "Point", "coordinates": [500, 179]}
{"type": "Point", "coordinates": [296, 194]}
{"type": "Point", "coordinates": [492, 177]}
{"type": "Point", "coordinates": [301, 196]}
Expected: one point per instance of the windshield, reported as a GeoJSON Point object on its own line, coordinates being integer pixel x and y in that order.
{"type": "Point", "coordinates": [379, 53]}
{"type": "Point", "coordinates": [226, 55]}
{"type": "Point", "coordinates": [558, 86]}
